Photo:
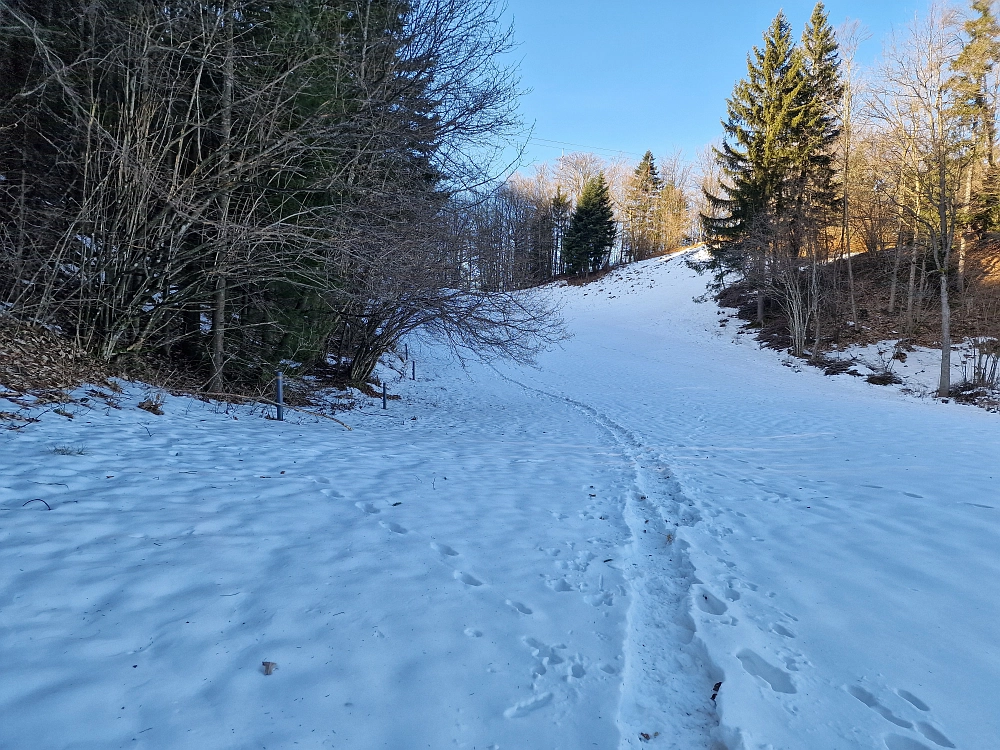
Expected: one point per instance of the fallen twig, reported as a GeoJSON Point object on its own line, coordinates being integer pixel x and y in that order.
{"type": "Point", "coordinates": [37, 500]}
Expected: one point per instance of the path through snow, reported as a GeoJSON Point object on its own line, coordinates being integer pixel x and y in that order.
{"type": "Point", "coordinates": [450, 574]}
{"type": "Point", "coordinates": [563, 557]}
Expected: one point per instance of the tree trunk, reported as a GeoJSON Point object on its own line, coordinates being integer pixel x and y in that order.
{"type": "Point", "coordinates": [814, 281]}
{"type": "Point", "coordinates": [895, 268]}
{"type": "Point", "coordinates": [846, 227]}
{"type": "Point", "coordinates": [944, 387]}
{"type": "Point", "coordinates": [942, 258]}
{"type": "Point", "coordinates": [217, 382]}
{"type": "Point", "coordinates": [963, 238]}
{"type": "Point", "coordinates": [911, 287]}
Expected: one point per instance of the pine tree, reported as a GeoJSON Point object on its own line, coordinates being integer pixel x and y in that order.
{"type": "Point", "coordinates": [975, 63]}
{"type": "Point", "coordinates": [821, 98]}
{"type": "Point", "coordinates": [974, 69]}
{"type": "Point", "coordinates": [592, 230]}
{"type": "Point", "coordinates": [641, 235]}
{"type": "Point", "coordinates": [560, 223]}
{"type": "Point", "coordinates": [760, 150]}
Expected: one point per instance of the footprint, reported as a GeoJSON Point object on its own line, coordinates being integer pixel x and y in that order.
{"type": "Point", "coordinates": [872, 702]}
{"type": "Point", "coordinates": [578, 671]}
{"type": "Point", "coordinates": [754, 664]}
{"type": "Point", "coordinates": [912, 494]}
{"type": "Point", "coordinates": [898, 742]}
{"type": "Point", "coordinates": [467, 579]}
{"type": "Point", "coordinates": [473, 633]}
{"type": "Point", "coordinates": [708, 603]}
{"type": "Point", "coordinates": [367, 508]}
{"type": "Point", "coordinates": [525, 707]}
{"type": "Point", "coordinates": [910, 698]}
{"type": "Point", "coordinates": [933, 735]}
{"type": "Point", "coordinates": [522, 608]}
{"type": "Point", "coordinates": [546, 654]}
{"type": "Point", "coordinates": [608, 668]}
{"type": "Point", "coordinates": [443, 549]}
{"type": "Point", "coordinates": [395, 528]}
{"type": "Point", "coordinates": [600, 598]}
{"type": "Point", "coordinates": [560, 585]}
{"type": "Point", "coordinates": [782, 630]}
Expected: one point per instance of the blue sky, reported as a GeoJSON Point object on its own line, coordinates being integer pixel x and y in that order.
{"type": "Point", "coordinates": [632, 75]}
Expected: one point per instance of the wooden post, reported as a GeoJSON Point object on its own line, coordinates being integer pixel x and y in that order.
{"type": "Point", "coordinates": [281, 397]}
{"type": "Point", "coordinates": [383, 396]}
{"type": "Point", "coordinates": [414, 375]}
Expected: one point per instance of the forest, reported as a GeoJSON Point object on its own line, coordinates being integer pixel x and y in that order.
{"type": "Point", "coordinates": [848, 204]}
{"type": "Point", "coordinates": [210, 191]}
{"type": "Point", "coordinates": [219, 188]}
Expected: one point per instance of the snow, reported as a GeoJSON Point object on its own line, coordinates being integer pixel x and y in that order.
{"type": "Point", "coordinates": [566, 556]}
{"type": "Point", "coordinates": [919, 373]}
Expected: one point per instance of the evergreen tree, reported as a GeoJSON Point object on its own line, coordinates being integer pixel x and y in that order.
{"type": "Point", "coordinates": [759, 153]}
{"type": "Point", "coordinates": [561, 206]}
{"type": "Point", "coordinates": [641, 235]}
{"type": "Point", "coordinates": [977, 60]}
{"type": "Point", "coordinates": [974, 69]}
{"type": "Point", "coordinates": [592, 230]}
{"type": "Point", "coordinates": [821, 98]}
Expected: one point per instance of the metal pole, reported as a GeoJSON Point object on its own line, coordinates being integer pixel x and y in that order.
{"type": "Point", "coordinates": [281, 396]}
{"type": "Point", "coordinates": [406, 352]}
{"type": "Point", "coordinates": [414, 376]}
{"type": "Point", "coordinates": [383, 396]}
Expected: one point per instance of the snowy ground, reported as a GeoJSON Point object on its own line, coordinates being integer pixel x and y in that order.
{"type": "Point", "coordinates": [563, 557]}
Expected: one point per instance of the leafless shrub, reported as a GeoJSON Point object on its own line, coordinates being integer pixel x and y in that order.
{"type": "Point", "coordinates": [229, 186]}
{"type": "Point", "coordinates": [152, 404]}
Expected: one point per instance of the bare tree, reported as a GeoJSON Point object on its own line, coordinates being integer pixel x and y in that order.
{"type": "Point", "coordinates": [918, 102]}
{"type": "Point", "coordinates": [237, 184]}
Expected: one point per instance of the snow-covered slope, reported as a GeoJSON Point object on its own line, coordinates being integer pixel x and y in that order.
{"type": "Point", "coordinates": [847, 541]}
{"type": "Point", "coordinates": [570, 556]}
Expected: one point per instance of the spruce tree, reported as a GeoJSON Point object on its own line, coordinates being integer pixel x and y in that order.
{"type": "Point", "coordinates": [592, 230]}
{"type": "Point", "coordinates": [821, 98]}
{"type": "Point", "coordinates": [979, 56]}
{"type": "Point", "coordinates": [760, 150]}
{"type": "Point", "coordinates": [560, 209]}
{"type": "Point", "coordinates": [641, 238]}
{"type": "Point", "coordinates": [974, 69]}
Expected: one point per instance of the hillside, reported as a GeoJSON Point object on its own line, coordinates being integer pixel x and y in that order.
{"type": "Point", "coordinates": [568, 556]}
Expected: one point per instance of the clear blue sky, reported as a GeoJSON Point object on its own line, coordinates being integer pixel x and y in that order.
{"type": "Point", "coordinates": [633, 75]}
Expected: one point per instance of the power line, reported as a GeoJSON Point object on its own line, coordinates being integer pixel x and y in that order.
{"type": "Point", "coordinates": [549, 143]}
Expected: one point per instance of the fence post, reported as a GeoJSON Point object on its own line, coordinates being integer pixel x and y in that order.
{"type": "Point", "coordinates": [281, 396]}
{"type": "Point", "coordinates": [414, 376]}
{"type": "Point", "coordinates": [383, 396]}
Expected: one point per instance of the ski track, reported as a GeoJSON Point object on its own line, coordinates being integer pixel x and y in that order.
{"type": "Point", "coordinates": [839, 524]}
{"type": "Point", "coordinates": [556, 558]}
{"type": "Point", "coordinates": [429, 582]}
{"type": "Point", "coordinates": [668, 681]}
